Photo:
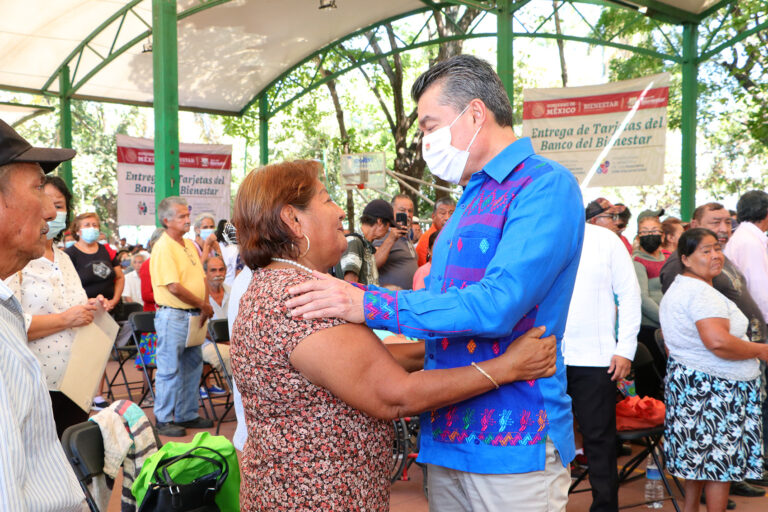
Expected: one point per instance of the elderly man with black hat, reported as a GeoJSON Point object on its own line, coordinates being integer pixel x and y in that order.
{"type": "Point", "coordinates": [358, 263]}
{"type": "Point", "coordinates": [34, 472]}
{"type": "Point", "coordinates": [601, 212]}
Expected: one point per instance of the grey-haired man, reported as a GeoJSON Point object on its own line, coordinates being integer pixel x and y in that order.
{"type": "Point", "coordinates": [34, 472]}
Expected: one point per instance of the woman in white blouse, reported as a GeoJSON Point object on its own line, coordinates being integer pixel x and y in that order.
{"type": "Point", "coordinates": [54, 303]}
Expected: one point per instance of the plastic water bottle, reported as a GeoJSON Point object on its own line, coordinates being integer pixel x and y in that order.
{"type": "Point", "coordinates": [654, 490]}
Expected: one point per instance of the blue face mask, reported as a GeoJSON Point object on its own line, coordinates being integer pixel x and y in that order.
{"type": "Point", "coordinates": [205, 233]}
{"type": "Point", "coordinates": [89, 235]}
{"type": "Point", "coordinates": [56, 225]}
{"type": "Point", "coordinates": [125, 263]}
{"type": "Point", "coordinates": [68, 244]}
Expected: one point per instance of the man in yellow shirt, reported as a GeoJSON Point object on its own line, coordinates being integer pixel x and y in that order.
{"type": "Point", "coordinates": [178, 283]}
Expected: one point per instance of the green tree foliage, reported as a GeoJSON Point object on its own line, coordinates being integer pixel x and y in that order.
{"type": "Point", "coordinates": [371, 106]}
{"type": "Point", "coordinates": [733, 91]}
{"type": "Point", "coordinates": [94, 130]}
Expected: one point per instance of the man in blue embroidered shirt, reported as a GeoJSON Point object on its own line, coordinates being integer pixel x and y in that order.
{"type": "Point", "coordinates": [505, 262]}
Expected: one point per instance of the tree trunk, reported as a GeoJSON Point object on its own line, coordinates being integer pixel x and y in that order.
{"type": "Point", "coordinates": [331, 85]}
{"type": "Point", "coordinates": [408, 159]}
{"type": "Point", "coordinates": [560, 44]}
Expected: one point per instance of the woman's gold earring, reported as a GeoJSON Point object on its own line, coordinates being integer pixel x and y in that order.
{"type": "Point", "coordinates": [308, 244]}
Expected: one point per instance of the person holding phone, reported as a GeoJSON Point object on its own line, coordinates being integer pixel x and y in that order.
{"type": "Point", "coordinates": [395, 254]}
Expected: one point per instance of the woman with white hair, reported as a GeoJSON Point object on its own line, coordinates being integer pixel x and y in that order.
{"type": "Point", "coordinates": [205, 236]}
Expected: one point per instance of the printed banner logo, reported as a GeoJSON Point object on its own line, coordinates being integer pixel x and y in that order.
{"type": "Point", "coordinates": [205, 173]}
{"type": "Point", "coordinates": [615, 133]}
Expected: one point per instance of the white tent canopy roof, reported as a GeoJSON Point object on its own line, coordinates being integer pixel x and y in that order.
{"type": "Point", "coordinates": [691, 6]}
{"type": "Point", "coordinates": [229, 51]}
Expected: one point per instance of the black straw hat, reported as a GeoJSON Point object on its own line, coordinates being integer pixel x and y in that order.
{"type": "Point", "coordinates": [14, 149]}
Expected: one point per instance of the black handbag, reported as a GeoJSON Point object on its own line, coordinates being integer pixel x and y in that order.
{"type": "Point", "coordinates": [165, 495]}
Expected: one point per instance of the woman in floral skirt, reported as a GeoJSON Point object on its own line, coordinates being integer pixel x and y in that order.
{"type": "Point", "coordinates": [713, 426]}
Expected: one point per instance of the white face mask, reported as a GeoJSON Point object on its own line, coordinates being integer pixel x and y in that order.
{"type": "Point", "coordinates": [444, 160]}
{"type": "Point", "coordinates": [56, 225]}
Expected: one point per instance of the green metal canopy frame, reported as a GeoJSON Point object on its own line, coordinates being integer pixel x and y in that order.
{"type": "Point", "coordinates": [678, 28]}
{"type": "Point", "coordinates": [36, 110]}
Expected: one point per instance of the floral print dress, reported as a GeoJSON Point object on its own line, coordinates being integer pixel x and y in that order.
{"type": "Point", "coordinates": [713, 426]}
{"type": "Point", "coordinates": [306, 449]}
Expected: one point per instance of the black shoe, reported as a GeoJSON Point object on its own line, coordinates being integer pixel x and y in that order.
{"type": "Point", "coordinates": [746, 490]}
{"type": "Point", "coordinates": [624, 450]}
{"type": "Point", "coordinates": [170, 429]}
{"type": "Point", "coordinates": [731, 504]}
{"type": "Point", "coordinates": [763, 481]}
{"type": "Point", "coordinates": [195, 423]}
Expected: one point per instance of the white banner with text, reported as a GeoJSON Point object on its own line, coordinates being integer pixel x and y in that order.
{"type": "Point", "coordinates": [607, 135]}
{"type": "Point", "coordinates": [205, 174]}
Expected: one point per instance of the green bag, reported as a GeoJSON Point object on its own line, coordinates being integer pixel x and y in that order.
{"type": "Point", "coordinates": [187, 470]}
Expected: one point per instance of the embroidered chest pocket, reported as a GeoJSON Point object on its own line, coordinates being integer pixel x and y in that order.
{"type": "Point", "coordinates": [469, 256]}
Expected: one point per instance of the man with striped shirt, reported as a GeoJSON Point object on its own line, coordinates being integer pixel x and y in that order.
{"type": "Point", "coordinates": [34, 472]}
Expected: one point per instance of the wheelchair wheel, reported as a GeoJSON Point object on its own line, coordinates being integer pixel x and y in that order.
{"type": "Point", "coordinates": [401, 446]}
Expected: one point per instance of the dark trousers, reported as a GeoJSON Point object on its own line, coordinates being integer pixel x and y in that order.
{"type": "Point", "coordinates": [649, 379]}
{"type": "Point", "coordinates": [594, 405]}
{"type": "Point", "coordinates": [647, 336]}
{"type": "Point", "coordinates": [65, 412]}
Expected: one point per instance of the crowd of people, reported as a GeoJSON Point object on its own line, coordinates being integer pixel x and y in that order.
{"type": "Point", "coordinates": [518, 315]}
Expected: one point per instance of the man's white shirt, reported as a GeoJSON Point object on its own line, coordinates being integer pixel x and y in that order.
{"type": "Point", "coordinates": [606, 278]}
{"type": "Point", "coordinates": [748, 250]}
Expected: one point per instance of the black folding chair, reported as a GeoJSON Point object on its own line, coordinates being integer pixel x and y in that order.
{"type": "Point", "coordinates": [124, 309]}
{"type": "Point", "coordinates": [123, 354]}
{"type": "Point", "coordinates": [84, 448]}
{"type": "Point", "coordinates": [219, 333]}
{"type": "Point", "coordinates": [650, 439]}
{"type": "Point", "coordinates": [143, 322]}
